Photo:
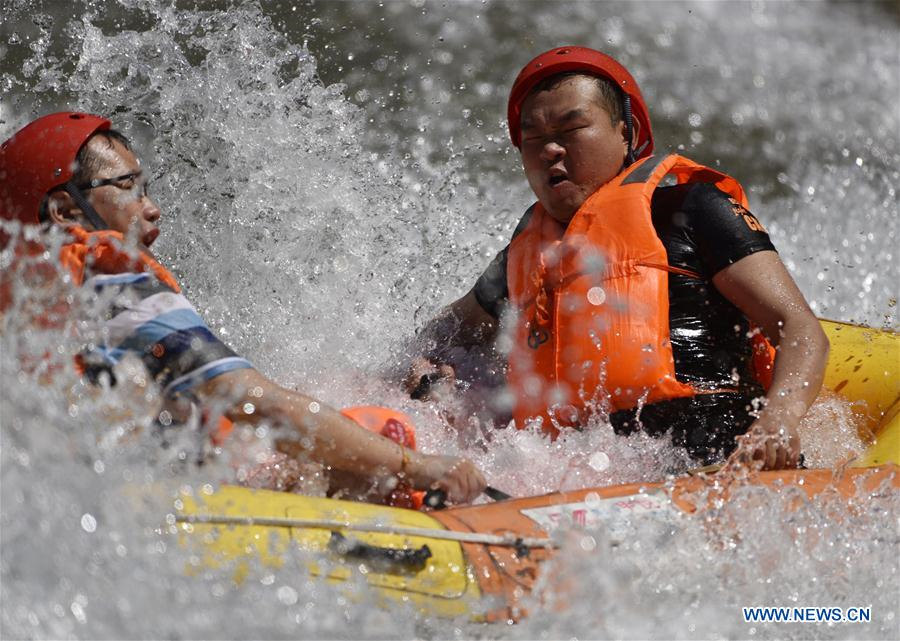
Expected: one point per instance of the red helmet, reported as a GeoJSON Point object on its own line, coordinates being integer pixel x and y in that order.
{"type": "Point", "coordinates": [40, 157]}
{"type": "Point", "coordinates": [565, 59]}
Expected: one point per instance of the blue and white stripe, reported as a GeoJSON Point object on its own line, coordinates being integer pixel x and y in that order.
{"type": "Point", "coordinates": [162, 328]}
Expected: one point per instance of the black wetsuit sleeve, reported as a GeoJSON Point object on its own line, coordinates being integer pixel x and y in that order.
{"type": "Point", "coordinates": [724, 232]}
{"type": "Point", "coordinates": [491, 289]}
{"type": "Point", "coordinates": [704, 231]}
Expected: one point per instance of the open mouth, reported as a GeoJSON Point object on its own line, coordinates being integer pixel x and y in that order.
{"type": "Point", "coordinates": [149, 237]}
{"type": "Point", "coordinates": [555, 180]}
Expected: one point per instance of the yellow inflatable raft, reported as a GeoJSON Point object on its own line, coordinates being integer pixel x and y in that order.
{"type": "Point", "coordinates": [444, 562]}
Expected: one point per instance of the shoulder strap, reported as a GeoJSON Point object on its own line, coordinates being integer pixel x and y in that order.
{"type": "Point", "coordinates": [651, 170]}
{"type": "Point", "coordinates": [641, 171]}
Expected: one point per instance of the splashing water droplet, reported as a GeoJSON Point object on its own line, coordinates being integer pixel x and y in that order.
{"type": "Point", "coordinates": [596, 296]}
{"type": "Point", "coordinates": [88, 523]}
{"type": "Point", "coordinates": [287, 595]}
{"type": "Point", "coordinates": [599, 461]}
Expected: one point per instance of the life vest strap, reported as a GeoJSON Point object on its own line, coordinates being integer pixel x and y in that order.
{"type": "Point", "coordinates": [672, 270]}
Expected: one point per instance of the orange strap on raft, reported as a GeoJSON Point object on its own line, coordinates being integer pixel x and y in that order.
{"type": "Point", "coordinates": [392, 424]}
{"type": "Point", "coordinates": [398, 427]}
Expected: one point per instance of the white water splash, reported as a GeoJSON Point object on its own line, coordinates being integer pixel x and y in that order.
{"type": "Point", "coordinates": [319, 208]}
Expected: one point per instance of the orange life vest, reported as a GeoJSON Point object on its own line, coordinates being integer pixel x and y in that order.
{"type": "Point", "coordinates": [101, 251]}
{"type": "Point", "coordinates": [593, 326]}
{"type": "Point", "coordinates": [108, 256]}
{"type": "Point", "coordinates": [28, 269]}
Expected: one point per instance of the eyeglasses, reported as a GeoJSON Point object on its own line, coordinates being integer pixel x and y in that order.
{"type": "Point", "coordinates": [125, 182]}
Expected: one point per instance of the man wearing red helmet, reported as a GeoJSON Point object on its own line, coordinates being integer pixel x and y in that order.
{"type": "Point", "coordinates": [73, 171]}
{"type": "Point", "coordinates": [655, 305]}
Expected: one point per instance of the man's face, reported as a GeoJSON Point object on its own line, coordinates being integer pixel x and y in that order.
{"type": "Point", "coordinates": [570, 148]}
{"type": "Point", "coordinates": [123, 205]}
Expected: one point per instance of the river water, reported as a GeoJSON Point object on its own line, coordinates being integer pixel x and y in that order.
{"type": "Point", "coordinates": [331, 173]}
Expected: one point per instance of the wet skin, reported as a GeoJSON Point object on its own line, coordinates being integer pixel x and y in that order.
{"type": "Point", "coordinates": [570, 147]}
{"type": "Point", "coordinates": [124, 206]}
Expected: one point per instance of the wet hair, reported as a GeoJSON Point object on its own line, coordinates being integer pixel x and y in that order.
{"type": "Point", "coordinates": [88, 163]}
{"type": "Point", "coordinates": [609, 96]}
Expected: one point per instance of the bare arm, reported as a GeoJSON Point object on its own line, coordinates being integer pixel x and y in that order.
{"type": "Point", "coordinates": [761, 287]}
{"type": "Point", "coordinates": [333, 439]}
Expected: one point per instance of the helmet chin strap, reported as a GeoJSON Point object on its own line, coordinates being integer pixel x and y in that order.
{"type": "Point", "coordinates": [629, 130]}
{"type": "Point", "coordinates": [89, 212]}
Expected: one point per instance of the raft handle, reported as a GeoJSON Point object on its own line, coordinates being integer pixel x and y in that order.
{"type": "Point", "coordinates": [378, 558]}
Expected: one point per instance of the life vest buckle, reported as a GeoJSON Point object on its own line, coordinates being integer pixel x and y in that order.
{"type": "Point", "coordinates": [537, 337]}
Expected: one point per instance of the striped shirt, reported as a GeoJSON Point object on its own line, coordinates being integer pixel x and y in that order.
{"type": "Point", "coordinates": [149, 319]}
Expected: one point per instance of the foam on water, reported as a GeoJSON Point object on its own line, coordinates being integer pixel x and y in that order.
{"type": "Point", "coordinates": [330, 175]}
{"type": "Point", "coordinates": [761, 547]}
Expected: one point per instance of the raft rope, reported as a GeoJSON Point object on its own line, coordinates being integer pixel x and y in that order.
{"type": "Point", "coordinates": [501, 540]}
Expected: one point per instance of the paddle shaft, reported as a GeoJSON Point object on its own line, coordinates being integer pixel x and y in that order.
{"type": "Point", "coordinates": [437, 499]}
{"type": "Point", "coordinates": [497, 495]}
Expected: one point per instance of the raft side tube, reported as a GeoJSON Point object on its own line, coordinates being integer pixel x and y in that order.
{"type": "Point", "coordinates": [441, 583]}
{"type": "Point", "coordinates": [864, 368]}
